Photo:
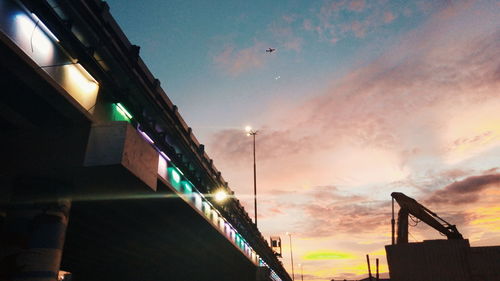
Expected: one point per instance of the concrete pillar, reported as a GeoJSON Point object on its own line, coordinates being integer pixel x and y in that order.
{"type": "Point", "coordinates": [34, 230]}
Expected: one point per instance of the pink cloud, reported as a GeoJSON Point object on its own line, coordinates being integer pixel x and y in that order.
{"type": "Point", "coordinates": [424, 6]}
{"type": "Point", "coordinates": [331, 7]}
{"type": "Point", "coordinates": [334, 40]}
{"type": "Point", "coordinates": [330, 21]}
{"type": "Point", "coordinates": [407, 12]}
{"type": "Point", "coordinates": [329, 27]}
{"type": "Point", "coordinates": [389, 17]}
{"type": "Point", "coordinates": [234, 146]}
{"type": "Point", "coordinates": [290, 18]}
{"type": "Point", "coordinates": [358, 28]}
{"type": "Point", "coordinates": [357, 5]}
{"type": "Point", "coordinates": [276, 210]}
{"type": "Point", "coordinates": [235, 62]}
{"type": "Point", "coordinates": [329, 209]}
{"type": "Point", "coordinates": [307, 24]}
{"type": "Point", "coordinates": [285, 35]}
{"type": "Point", "coordinates": [294, 44]}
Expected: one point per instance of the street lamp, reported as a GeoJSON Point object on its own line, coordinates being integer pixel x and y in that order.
{"type": "Point", "coordinates": [291, 253]}
{"type": "Point", "coordinates": [251, 132]}
{"type": "Point", "coordinates": [220, 196]}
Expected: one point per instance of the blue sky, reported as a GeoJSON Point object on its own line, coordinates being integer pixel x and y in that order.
{"type": "Point", "coordinates": [180, 41]}
{"type": "Point", "coordinates": [372, 97]}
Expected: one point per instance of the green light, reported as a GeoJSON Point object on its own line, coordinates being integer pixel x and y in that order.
{"type": "Point", "coordinates": [175, 176]}
{"type": "Point", "coordinates": [239, 241]}
{"type": "Point", "coordinates": [187, 188]}
{"type": "Point", "coordinates": [123, 111]}
{"type": "Point", "coordinates": [327, 255]}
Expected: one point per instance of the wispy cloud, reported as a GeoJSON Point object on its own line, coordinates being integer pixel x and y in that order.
{"type": "Point", "coordinates": [345, 213]}
{"type": "Point", "coordinates": [284, 33]}
{"type": "Point", "coordinates": [357, 5]}
{"type": "Point", "coordinates": [389, 17]}
{"type": "Point", "coordinates": [234, 61]}
{"type": "Point", "coordinates": [338, 20]}
{"type": "Point", "coordinates": [465, 191]}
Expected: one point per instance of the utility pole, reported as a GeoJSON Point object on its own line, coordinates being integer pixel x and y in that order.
{"type": "Point", "coordinates": [254, 133]}
{"type": "Point", "coordinates": [291, 253]}
{"type": "Point", "coordinates": [301, 272]}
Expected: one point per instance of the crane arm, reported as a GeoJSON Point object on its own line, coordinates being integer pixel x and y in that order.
{"type": "Point", "coordinates": [411, 206]}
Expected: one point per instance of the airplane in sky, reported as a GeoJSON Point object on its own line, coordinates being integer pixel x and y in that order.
{"type": "Point", "coordinates": [270, 50]}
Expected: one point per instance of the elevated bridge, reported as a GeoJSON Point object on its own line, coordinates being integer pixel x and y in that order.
{"type": "Point", "coordinates": [100, 175]}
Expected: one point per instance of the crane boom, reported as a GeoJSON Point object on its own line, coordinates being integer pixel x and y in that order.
{"type": "Point", "coordinates": [409, 206]}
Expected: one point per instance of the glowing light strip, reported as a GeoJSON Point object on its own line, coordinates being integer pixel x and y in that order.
{"type": "Point", "coordinates": [86, 73]}
{"type": "Point", "coordinates": [44, 27]}
{"type": "Point", "coordinates": [177, 170]}
{"type": "Point", "coordinates": [150, 140]}
{"type": "Point", "coordinates": [188, 187]}
{"type": "Point", "coordinates": [275, 276]}
{"type": "Point", "coordinates": [123, 111]}
{"type": "Point", "coordinates": [162, 167]}
{"type": "Point", "coordinates": [165, 156]}
{"type": "Point", "coordinates": [175, 175]}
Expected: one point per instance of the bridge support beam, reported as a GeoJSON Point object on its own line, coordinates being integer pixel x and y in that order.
{"type": "Point", "coordinates": [33, 230]}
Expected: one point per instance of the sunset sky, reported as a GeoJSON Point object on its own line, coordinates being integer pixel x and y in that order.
{"type": "Point", "coordinates": [361, 98]}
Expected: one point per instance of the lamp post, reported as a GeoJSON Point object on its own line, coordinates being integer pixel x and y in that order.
{"type": "Point", "coordinates": [301, 272]}
{"type": "Point", "coordinates": [253, 133]}
{"type": "Point", "coordinates": [291, 253]}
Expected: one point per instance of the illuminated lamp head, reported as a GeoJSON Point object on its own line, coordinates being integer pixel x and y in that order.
{"type": "Point", "coordinates": [220, 196]}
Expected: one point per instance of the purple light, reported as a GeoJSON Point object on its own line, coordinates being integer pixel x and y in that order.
{"type": "Point", "coordinates": [146, 136]}
{"type": "Point", "coordinates": [165, 156]}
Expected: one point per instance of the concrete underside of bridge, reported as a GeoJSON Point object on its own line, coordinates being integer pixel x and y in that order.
{"type": "Point", "coordinates": [148, 239]}
{"type": "Point", "coordinates": [119, 228]}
